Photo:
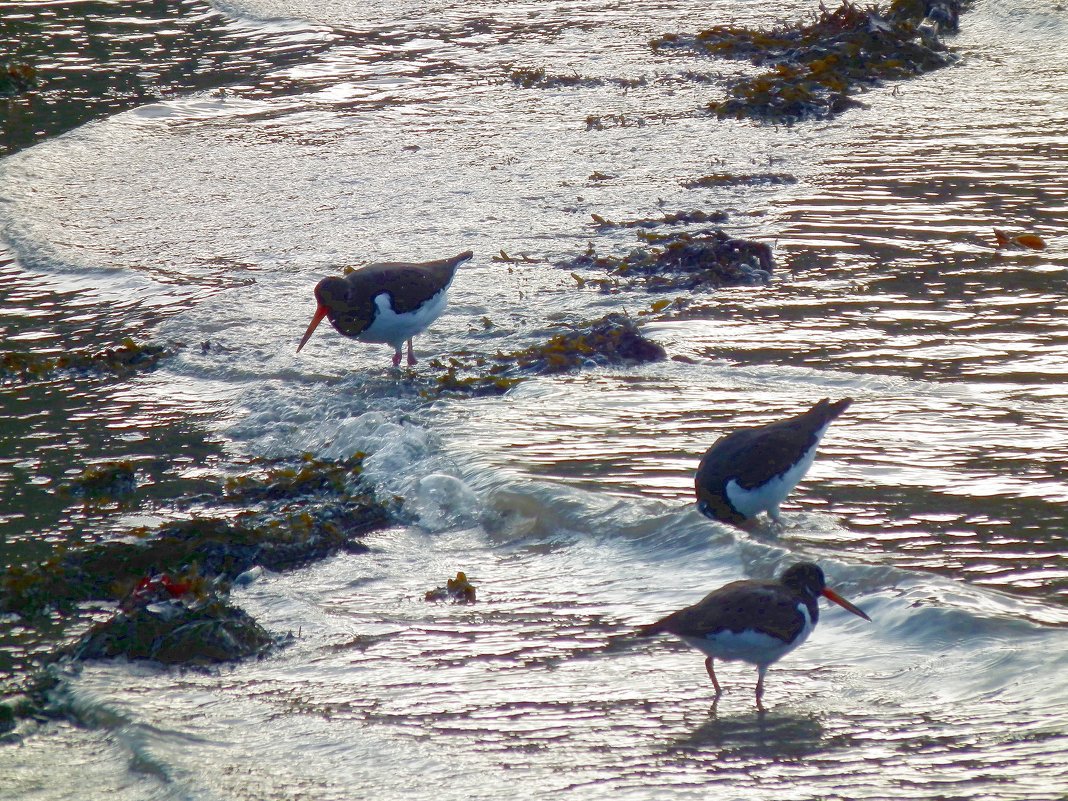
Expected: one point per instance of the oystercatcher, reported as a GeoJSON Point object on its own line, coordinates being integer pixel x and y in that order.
{"type": "Point", "coordinates": [757, 622]}
{"type": "Point", "coordinates": [389, 302]}
{"type": "Point", "coordinates": [752, 470]}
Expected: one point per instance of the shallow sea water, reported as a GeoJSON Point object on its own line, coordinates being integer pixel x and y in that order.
{"type": "Point", "coordinates": [936, 503]}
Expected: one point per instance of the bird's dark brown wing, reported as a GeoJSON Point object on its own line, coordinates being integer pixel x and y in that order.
{"type": "Point", "coordinates": [407, 285]}
{"type": "Point", "coordinates": [763, 606]}
{"type": "Point", "coordinates": [410, 284]}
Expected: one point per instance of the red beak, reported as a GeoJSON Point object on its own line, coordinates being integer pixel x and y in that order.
{"type": "Point", "coordinates": [320, 313]}
{"type": "Point", "coordinates": [831, 595]}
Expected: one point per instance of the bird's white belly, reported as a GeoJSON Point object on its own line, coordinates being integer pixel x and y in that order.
{"type": "Point", "coordinates": [394, 329]}
{"type": "Point", "coordinates": [751, 502]}
{"type": "Point", "coordinates": [754, 647]}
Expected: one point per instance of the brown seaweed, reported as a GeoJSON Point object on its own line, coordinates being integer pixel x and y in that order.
{"type": "Point", "coordinates": [613, 339]}
{"type": "Point", "coordinates": [685, 260]}
{"type": "Point", "coordinates": [813, 70]}
{"type": "Point", "coordinates": [121, 360]}
{"type": "Point", "coordinates": [456, 590]}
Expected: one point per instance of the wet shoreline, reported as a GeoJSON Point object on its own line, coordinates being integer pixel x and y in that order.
{"type": "Point", "coordinates": [955, 542]}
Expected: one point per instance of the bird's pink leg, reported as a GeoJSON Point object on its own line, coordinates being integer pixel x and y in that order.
{"type": "Point", "coordinates": [411, 355]}
{"type": "Point", "coordinates": [397, 358]}
{"type": "Point", "coordinates": [712, 675]}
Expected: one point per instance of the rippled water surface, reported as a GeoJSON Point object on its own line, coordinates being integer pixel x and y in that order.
{"type": "Point", "coordinates": [243, 151]}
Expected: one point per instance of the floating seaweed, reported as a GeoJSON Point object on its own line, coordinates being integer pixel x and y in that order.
{"type": "Point", "coordinates": [614, 339]}
{"type": "Point", "coordinates": [281, 480]}
{"type": "Point", "coordinates": [1024, 241]}
{"type": "Point", "coordinates": [457, 590]}
{"type": "Point", "coordinates": [675, 218]}
{"type": "Point", "coordinates": [104, 480]}
{"type": "Point", "coordinates": [814, 69]}
{"type": "Point", "coordinates": [605, 121]}
{"type": "Point", "coordinates": [522, 258]}
{"type": "Point", "coordinates": [16, 77]}
{"type": "Point", "coordinates": [683, 260]}
{"type": "Point", "coordinates": [126, 358]}
{"type": "Point", "coordinates": [538, 78]}
{"type": "Point", "coordinates": [727, 179]}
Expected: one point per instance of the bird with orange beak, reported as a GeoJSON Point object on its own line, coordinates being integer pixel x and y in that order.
{"type": "Point", "coordinates": [387, 303]}
{"type": "Point", "coordinates": [753, 621]}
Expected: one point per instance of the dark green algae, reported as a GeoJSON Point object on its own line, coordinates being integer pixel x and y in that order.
{"type": "Point", "coordinates": [814, 70]}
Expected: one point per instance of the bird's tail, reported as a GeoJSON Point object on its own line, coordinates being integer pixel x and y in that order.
{"type": "Point", "coordinates": [460, 258]}
{"type": "Point", "coordinates": [828, 411]}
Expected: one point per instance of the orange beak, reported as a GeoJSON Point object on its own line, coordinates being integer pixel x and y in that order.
{"type": "Point", "coordinates": [320, 313]}
{"type": "Point", "coordinates": [831, 595]}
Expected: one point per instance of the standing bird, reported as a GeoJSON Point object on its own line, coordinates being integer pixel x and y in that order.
{"type": "Point", "coordinates": [758, 622]}
{"type": "Point", "coordinates": [752, 470]}
{"type": "Point", "coordinates": [389, 302]}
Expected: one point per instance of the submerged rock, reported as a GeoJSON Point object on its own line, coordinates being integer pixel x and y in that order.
{"type": "Point", "coordinates": [165, 590]}
{"type": "Point", "coordinates": [185, 630]}
{"type": "Point", "coordinates": [613, 339]}
{"type": "Point", "coordinates": [294, 514]}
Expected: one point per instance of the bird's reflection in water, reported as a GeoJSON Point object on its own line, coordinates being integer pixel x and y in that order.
{"type": "Point", "coordinates": [753, 734]}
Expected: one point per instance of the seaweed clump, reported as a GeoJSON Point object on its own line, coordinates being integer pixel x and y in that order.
{"type": "Point", "coordinates": [720, 179]}
{"type": "Point", "coordinates": [125, 358]}
{"type": "Point", "coordinates": [105, 480]}
{"type": "Point", "coordinates": [685, 260]}
{"type": "Point", "coordinates": [456, 590]}
{"type": "Point", "coordinates": [171, 584]}
{"type": "Point", "coordinates": [539, 78]}
{"type": "Point", "coordinates": [163, 594]}
{"type": "Point", "coordinates": [614, 339]}
{"type": "Point", "coordinates": [815, 68]}
{"type": "Point", "coordinates": [673, 218]}
{"type": "Point", "coordinates": [16, 77]}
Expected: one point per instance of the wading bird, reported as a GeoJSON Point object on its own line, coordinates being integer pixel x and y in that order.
{"type": "Point", "coordinates": [388, 303]}
{"type": "Point", "coordinates": [752, 470]}
{"type": "Point", "coordinates": [758, 622]}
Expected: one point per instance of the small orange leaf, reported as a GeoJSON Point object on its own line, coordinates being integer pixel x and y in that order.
{"type": "Point", "coordinates": [1031, 241]}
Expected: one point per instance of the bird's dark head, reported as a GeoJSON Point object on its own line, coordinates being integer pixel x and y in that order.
{"type": "Point", "coordinates": [808, 581]}
{"type": "Point", "coordinates": [805, 578]}
{"type": "Point", "coordinates": [332, 292]}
